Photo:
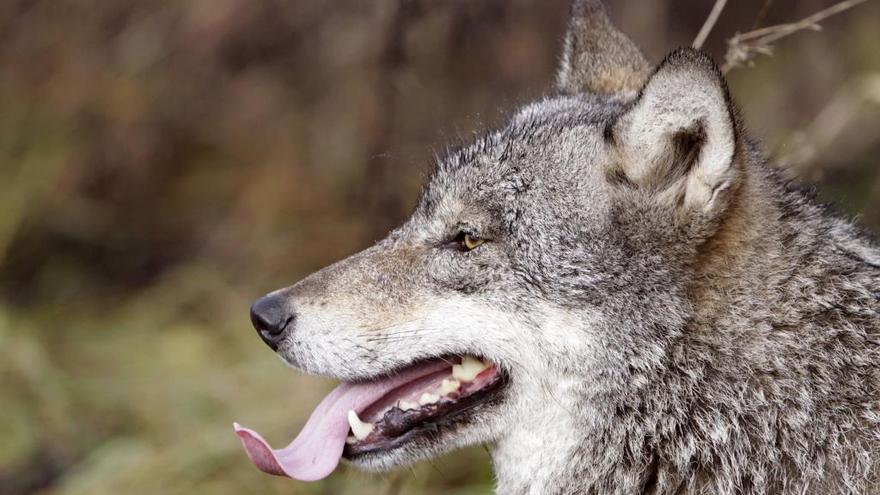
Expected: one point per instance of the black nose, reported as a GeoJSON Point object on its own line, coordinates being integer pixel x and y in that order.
{"type": "Point", "coordinates": [271, 318]}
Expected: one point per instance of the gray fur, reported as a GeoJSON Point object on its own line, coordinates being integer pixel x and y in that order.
{"type": "Point", "coordinates": [674, 317]}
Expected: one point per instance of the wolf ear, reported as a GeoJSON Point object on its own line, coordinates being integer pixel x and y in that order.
{"type": "Point", "coordinates": [596, 57]}
{"type": "Point", "coordinates": [679, 138]}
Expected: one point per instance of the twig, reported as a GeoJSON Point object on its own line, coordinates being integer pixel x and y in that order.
{"type": "Point", "coordinates": [714, 14]}
{"type": "Point", "coordinates": [741, 48]}
{"type": "Point", "coordinates": [762, 14]}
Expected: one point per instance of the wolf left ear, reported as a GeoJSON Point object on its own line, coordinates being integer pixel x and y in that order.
{"type": "Point", "coordinates": [679, 138]}
{"type": "Point", "coordinates": [596, 57]}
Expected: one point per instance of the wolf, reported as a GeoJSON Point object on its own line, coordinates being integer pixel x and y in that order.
{"type": "Point", "coordinates": [613, 291]}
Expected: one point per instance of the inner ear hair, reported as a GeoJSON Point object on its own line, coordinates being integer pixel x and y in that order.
{"type": "Point", "coordinates": [680, 158]}
{"type": "Point", "coordinates": [684, 151]}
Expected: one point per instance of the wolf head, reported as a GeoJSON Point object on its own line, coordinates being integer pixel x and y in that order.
{"type": "Point", "coordinates": [554, 248]}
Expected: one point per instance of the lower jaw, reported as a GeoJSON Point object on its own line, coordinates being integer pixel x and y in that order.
{"type": "Point", "coordinates": [432, 429]}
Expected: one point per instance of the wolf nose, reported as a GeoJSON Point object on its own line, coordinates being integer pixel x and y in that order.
{"type": "Point", "coordinates": [271, 318]}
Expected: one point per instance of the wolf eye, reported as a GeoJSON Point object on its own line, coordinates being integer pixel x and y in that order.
{"type": "Point", "coordinates": [470, 242]}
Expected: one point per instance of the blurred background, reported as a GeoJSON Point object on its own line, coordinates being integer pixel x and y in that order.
{"type": "Point", "coordinates": [163, 163]}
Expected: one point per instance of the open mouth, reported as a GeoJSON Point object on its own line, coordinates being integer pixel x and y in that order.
{"type": "Point", "coordinates": [379, 415]}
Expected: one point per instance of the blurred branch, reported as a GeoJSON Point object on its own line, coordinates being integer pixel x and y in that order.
{"type": "Point", "coordinates": [762, 14]}
{"type": "Point", "coordinates": [743, 47]}
{"type": "Point", "coordinates": [25, 188]}
{"type": "Point", "coordinates": [830, 123]}
{"type": "Point", "coordinates": [379, 196]}
{"type": "Point", "coordinates": [872, 209]}
{"type": "Point", "coordinates": [714, 14]}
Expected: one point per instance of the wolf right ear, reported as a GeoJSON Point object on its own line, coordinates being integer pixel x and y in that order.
{"type": "Point", "coordinates": [596, 56]}
{"type": "Point", "coordinates": [678, 139]}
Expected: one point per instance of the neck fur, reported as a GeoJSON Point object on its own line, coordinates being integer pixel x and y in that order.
{"type": "Point", "coordinates": [715, 414]}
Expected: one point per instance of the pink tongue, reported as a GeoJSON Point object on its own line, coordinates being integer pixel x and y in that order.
{"type": "Point", "coordinates": [316, 451]}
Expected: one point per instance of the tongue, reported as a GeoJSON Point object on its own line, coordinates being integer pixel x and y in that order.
{"type": "Point", "coordinates": [316, 451]}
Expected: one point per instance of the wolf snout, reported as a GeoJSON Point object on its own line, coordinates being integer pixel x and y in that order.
{"type": "Point", "coordinates": [272, 317]}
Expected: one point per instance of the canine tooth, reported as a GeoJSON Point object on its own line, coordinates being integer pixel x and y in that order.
{"type": "Point", "coordinates": [358, 427]}
{"type": "Point", "coordinates": [351, 439]}
{"type": "Point", "coordinates": [406, 405]}
{"type": "Point", "coordinates": [427, 398]}
{"type": "Point", "coordinates": [448, 386]}
{"type": "Point", "coordinates": [469, 368]}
